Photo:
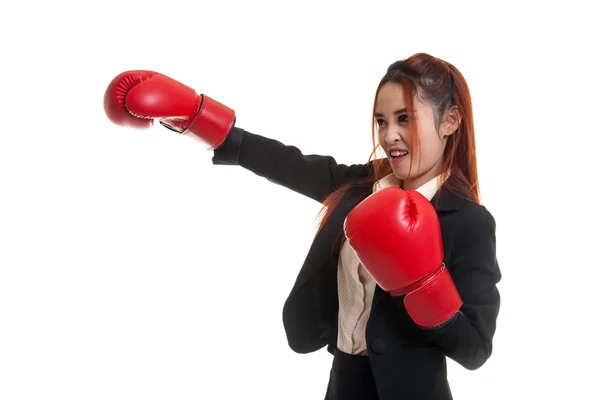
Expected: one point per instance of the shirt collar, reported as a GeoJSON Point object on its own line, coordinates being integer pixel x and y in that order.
{"type": "Point", "coordinates": [428, 189]}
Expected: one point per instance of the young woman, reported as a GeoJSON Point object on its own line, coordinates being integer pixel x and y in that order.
{"type": "Point", "coordinates": [402, 272]}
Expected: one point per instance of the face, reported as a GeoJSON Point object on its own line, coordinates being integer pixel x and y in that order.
{"type": "Point", "coordinates": [392, 120]}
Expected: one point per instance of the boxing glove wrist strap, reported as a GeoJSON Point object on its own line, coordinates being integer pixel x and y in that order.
{"type": "Point", "coordinates": [435, 302]}
{"type": "Point", "coordinates": [212, 122]}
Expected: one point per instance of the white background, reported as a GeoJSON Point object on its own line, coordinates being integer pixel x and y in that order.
{"type": "Point", "coordinates": [132, 268]}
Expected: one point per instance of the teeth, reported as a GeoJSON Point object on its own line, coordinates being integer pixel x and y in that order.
{"type": "Point", "coordinates": [398, 153]}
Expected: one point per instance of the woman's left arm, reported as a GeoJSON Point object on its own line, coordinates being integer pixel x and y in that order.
{"type": "Point", "coordinates": [467, 338]}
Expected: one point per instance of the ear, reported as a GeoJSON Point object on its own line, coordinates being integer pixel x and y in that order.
{"type": "Point", "coordinates": [450, 123]}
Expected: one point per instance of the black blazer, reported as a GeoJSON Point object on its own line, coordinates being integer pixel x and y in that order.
{"type": "Point", "coordinates": [408, 362]}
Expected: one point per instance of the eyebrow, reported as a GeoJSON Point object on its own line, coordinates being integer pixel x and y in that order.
{"type": "Point", "coordinates": [403, 110]}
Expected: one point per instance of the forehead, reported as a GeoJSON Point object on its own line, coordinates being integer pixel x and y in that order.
{"type": "Point", "coordinates": [391, 98]}
{"type": "Point", "coordinates": [390, 94]}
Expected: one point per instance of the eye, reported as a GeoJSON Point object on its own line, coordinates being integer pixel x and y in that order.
{"type": "Point", "coordinates": [403, 118]}
{"type": "Point", "coordinates": [379, 121]}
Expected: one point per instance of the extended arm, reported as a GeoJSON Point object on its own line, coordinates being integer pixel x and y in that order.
{"type": "Point", "coordinates": [315, 176]}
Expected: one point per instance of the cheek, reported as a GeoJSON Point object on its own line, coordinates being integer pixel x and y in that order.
{"type": "Point", "coordinates": [430, 147]}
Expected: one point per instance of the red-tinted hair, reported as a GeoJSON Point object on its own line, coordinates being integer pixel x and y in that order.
{"type": "Point", "coordinates": [441, 85]}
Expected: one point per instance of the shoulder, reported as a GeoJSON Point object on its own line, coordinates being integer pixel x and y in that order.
{"type": "Point", "coordinates": [462, 214]}
{"type": "Point", "coordinates": [475, 217]}
{"type": "Point", "coordinates": [473, 230]}
{"type": "Point", "coordinates": [474, 237]}
{"type": "Point", "coordinates": [468, 225]}
{"type": "Point", "coordinates": [470, 248]}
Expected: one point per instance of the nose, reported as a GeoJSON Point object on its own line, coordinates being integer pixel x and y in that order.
{"type": "Point", "coordinates": [392, 135]}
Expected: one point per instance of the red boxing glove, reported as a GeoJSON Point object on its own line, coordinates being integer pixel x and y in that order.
{"type": "Point", "coordinates": [396, 236]}
{"type": "Point", "coordinates": [136, 98]}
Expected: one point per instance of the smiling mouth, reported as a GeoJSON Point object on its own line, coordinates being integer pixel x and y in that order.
{"type": "Point", "coordinates": [396, 154]}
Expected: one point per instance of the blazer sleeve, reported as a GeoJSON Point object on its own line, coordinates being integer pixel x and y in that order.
{"type": "Point", "coordinates": [315, 176]}
{"type": "Point", "coordinates": [467, 338]}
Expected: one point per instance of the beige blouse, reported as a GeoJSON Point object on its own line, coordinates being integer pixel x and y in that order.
{"type": "Point", "coordinates": [356, 286]}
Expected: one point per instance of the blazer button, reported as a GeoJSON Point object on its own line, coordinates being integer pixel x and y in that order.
{"type": "Point", "coordinates": [378, 346]}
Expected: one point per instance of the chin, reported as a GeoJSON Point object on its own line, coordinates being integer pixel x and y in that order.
{"type": "Point", "coordinates": [399, 173]}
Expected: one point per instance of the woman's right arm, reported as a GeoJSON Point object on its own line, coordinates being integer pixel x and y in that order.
{"type": "Point", "coordinates": [315, 176]}
{"type": "Point", "coordinates": [136, 98]}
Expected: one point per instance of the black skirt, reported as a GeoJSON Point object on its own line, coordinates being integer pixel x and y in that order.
{"type": "Point", "coordinates": [351, 378]}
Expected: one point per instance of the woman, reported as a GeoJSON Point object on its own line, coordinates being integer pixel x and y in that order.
{"type": "Point", "coordinates": [388, 342]}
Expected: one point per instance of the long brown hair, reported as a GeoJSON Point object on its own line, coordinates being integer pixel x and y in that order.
{"type": "Point", "coordinates": [440, 84]}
